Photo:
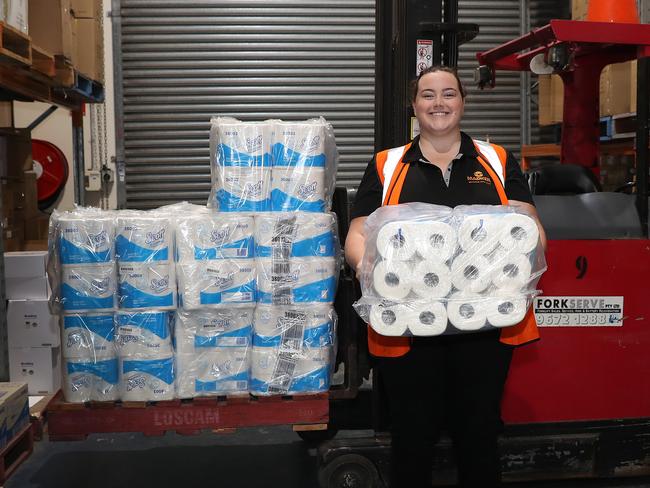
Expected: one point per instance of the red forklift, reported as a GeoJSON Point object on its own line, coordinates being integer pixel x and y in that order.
{"type": "Point", "coordinates": [577, 402]}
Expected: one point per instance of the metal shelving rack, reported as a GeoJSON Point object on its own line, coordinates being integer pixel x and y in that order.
{"type": "Point", "coordinates": [19, 83]}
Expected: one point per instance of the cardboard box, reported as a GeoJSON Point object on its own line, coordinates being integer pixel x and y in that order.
{"type": "Point", "coordinates": [551, 99]}
{"type": "Point", "coordinates": [579, 9]}
{"type": "Point", "coordinates": [86, 9]}
{"type": "Point", "coordinates": [89, 48]}
{"type": "Point", "coordinates": [51, 26]}
{"type": "Point", "coordinates": [618, 89]}
{"type": "Point", "coordinates": [39, 367]}
{"type": "Point", "coordinates": [30, 324]}
{"type": "Point", "coordinates": [14, 410]}
{"type": "Point", "coordinates": [25, 275]}
{"type": "Point", "coordinates": [14, 13]}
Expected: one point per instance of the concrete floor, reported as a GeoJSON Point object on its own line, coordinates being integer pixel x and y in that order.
{"type": "Point", "coordinates": [249, 458]}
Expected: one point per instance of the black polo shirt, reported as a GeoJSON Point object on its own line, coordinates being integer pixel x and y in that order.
{"type": "Point", "coordinates": [425, 182]}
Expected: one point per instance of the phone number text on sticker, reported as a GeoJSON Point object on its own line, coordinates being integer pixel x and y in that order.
{"type": "Point", "coordinates": [578, 311]}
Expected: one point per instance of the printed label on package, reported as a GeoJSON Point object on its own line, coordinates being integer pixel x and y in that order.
{"type": "Point", "coordinates": [578, 311]}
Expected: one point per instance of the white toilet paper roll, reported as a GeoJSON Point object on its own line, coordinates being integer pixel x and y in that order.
{"type": "Point", "coordinates": [396, 241]}
{"type": "Point", "coordinates": [277, 373]}
{"type": "Point", "coordinates": [295, 234]}
{"type": "Point", "coordinates": [243, 190]}
{"type": "Point", "coordinates": [436, 240]}
{"type": "Point", "coordinates": [199, 331]}
{"type": "Point", "coordinates": [298, 189]}
{"type": "Point", "coordinates": [392, 279]}
{"type": "Point", "coordinates": [218, 283]}
{"type": "Point", "coordinates": [479, 234]}
{"type": "Point", "coordinates": [145, 335]}
{"type": "Point", "coordinates": [427, 319]}
{"type": "Point", "coordinates": [470, 272]}
{"type": "Point", "coordinates": [87, 288]}
{"type": "Point", "coordinates": [296, 281]}
{"type": "Point", "coordinates": [431, 279]}
{"type": "Point", "coordinates": [85, 380]}
{"type": "Point", "coordinates": [511, 271]}
{"type": "Point", "coordinates": [293, 328]}
{"type": "Point", "coordinates": [146, 379]}
{"type": "Point", "coordinates": [214, 236]}
{"type": "Point", "coordinates": [518, 233]}
{"type": "Point", "coordinates": [88, 336]}
{"type": "Point", "coordinates": [504, 310]}
{"type": "Point", "coordinates": [390, 320]}
{"type": "Point", "coordinates": [299, 143]}
{"type": "Point", "coordinates": [143, 239]}
{"type": "Point", "coordinates": [243, 144]}
{"type": "Point", "coordinates": [86, 241]}
{"type": "Point", "coordinates": [467, 311]}
{"type": "Point", "coordinates": [147, 285]}
{"type": "Point", "coordinates": [221, 371]}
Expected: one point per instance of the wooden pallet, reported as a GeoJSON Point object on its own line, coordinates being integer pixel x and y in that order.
{"type": "Point", "coordinates": [42, 62]}
{"type": "Point", "coordinates": [64, 71]}
{"type": "Point", "coordinates": [18, 449]}
{"type": "Point", "coordinates": [14, 45]}
{"type": "Point", "coordinates": [68, 421]}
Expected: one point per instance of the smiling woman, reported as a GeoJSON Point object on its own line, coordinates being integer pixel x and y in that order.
{"type": "Point", "coordinates": [459, 377]}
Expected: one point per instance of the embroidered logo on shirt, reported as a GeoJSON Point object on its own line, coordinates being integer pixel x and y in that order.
{"type": "Point", "coordinates": [479, 177]}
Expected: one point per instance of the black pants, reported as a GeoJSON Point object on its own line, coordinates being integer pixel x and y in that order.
{"type": "Point", "coordinates": [457, 378]}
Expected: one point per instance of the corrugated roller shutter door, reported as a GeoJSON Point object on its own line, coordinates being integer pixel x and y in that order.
{"type": "Point", "coordinates": [495, 113]}
{"type": "Point", "coordinates": [186, 61]}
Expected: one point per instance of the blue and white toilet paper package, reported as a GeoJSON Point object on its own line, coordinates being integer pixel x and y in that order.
{"type": "Point", "coordinates": [144, 334]}
{"type": "Point", "coordinates": [198, 331]}
{"type": "Point", "coordinates": [296, 281]}
{"type": "Point", "coordinates": [293, 327]}
{"type": "Point", "coordinates": [219, 371]}
{"type": "Point", "coordinates": [90, 335]}
{"type": "Point", "coordinates": [214, 236]}
{"type": "Point", "coordinates": [85, 288]}
{"type": "Point", "coordinates": [143, 237]}
{"type": "Point", "coordinates": [147, 379]}
{"type": "Point", "coordinates": [147, 285]}
{"type": "Point", "coordinates": [90, 380]}
{"type": "Point", "coordinates": [85, 238]}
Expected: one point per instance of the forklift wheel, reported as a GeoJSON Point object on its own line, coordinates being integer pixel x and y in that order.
{"type": "Point", "coordinates": [317, 436]}
{"type": "Point", "coordinates": [349, 471]}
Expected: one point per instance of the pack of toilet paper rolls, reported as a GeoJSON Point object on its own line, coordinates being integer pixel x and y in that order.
{"type": "Point", "coordinates": [209, 329]}
{"type": "Point", "coordinates": [285, 235]}
{"type": "Point", "coordinates": [143, 237]}
{"type": "Point", "coordinates": [294, 328]}
{"type": "Point", "coordinates": [88, 335]}
{"type": "Point", "coordinates": [147, 285]}
{"type": "Point", "coordinates": [87, 379]}
{"type": "Point", "coordinates": [214, 236]}
{"type": "Point", "coordinates": [296, 280]}
{"type": "Point", "coordinates": [144, 334]}
{"type": "Point", "coordinates": [431, 270]}
{"type": "Point", "coordinates": [275, 371]}
{"type": "Point", "coordinates": [220, 283]}
{"type": "Point", "coordinates": [274, 165]}
{"type": "Point", "coordinates": [219, 371]}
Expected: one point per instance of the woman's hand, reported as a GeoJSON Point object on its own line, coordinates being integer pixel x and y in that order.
{"type": "Point", "coordinates": [532, 212]}
{"type": "Point", "coordinates": [355, 244]}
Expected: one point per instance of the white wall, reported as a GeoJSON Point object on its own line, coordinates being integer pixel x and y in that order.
{"type": "Point", "coordinates": [57, 128]}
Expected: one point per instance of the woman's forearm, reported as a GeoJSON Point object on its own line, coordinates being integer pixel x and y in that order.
{"type": "Point", "coordinates": [355, 243]}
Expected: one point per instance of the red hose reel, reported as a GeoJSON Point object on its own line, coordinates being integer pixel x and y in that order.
{"type": "Point", "coordinates": [51, 168]}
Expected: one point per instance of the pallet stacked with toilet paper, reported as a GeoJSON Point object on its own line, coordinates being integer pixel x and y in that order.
{"type": "Point", "coordinates": [429, 270]}
{"type": "Point", "coordinates": [280, 175]}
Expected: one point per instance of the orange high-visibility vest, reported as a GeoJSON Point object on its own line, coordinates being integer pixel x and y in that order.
{"type": "Point", "coordinates": [392, 174]}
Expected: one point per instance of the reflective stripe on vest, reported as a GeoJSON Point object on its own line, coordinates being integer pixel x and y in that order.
{"type": "Point", "coordinates": [392, 174]}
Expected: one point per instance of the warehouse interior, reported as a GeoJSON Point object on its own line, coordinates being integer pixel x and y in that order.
{"type": "Point", "coordinates": [117, 114]}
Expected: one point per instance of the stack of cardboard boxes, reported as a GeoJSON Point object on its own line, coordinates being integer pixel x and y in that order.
{"type": "Point", "coordinates": [617, 85]}
{"type": "Point", "coordinates": [33, 333]}
{"type": "Point", "coordinates": [71, 29]}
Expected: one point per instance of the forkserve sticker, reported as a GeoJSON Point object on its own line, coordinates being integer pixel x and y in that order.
{"type": "Point", "coordinates": [578, 311]}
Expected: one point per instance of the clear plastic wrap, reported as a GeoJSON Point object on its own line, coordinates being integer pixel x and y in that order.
{"type": "Point", "coordinates": [217, 283]}
{"type": "Point", "coordinates": [145, 334]}
{"type": "Point", "coordinates": [88, 336]}
{"type": "Point", "coordinates": [294, 328]}
{"type": "Point", "coordinates": [142, 380]}
{"type": "Point", "coordinates": [217, 371]}
{"type": "Point", "coordinates": [147, 285]}
{"type": "Point", "coordinates": [430, 270]}
{"type": "Point", "coordinates": [296, 280]}
{"type": "Point", "coordinates": [214, 236]}
{"type": "Point", "coordinates": [86, 379]}
{"type": "Point", "coordinates": [198, 331]}
{"type": "Point", "coordinates": [272, 165]}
